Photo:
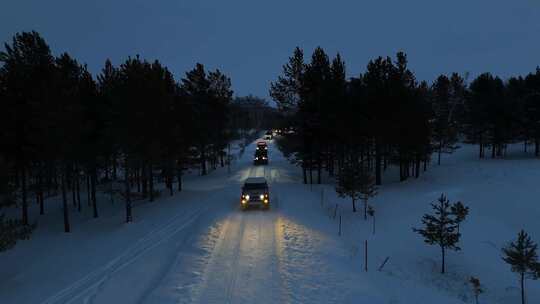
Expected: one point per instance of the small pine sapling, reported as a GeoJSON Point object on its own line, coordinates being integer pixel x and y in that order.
{"type": "Point", "coordinates": [441, 228]}
{"type": "Point", "coordinates": [522, 256]}
{"type": "Point", "coordinates": [348, 181]}
{"type": "Point", "coordinates": [476, 287]}
{"type": "Point", "coordinates": [368, 188]}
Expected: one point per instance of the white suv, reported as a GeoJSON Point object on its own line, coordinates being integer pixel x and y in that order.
{"type": "Point", "coordinates": [255, 192]}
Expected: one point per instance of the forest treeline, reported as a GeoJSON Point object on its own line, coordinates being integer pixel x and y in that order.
{"type": "Point", "coordinates": [386, 117]}
{"type": "Point", "coordinates": [64, 132]}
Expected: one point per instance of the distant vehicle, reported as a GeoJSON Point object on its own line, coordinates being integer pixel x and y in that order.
{"type": "Point", "coordinates": [268, 135]}
{"type": "Point", "coordinates": [255, 192]}
{"type": "Point", "coordinates": [261, 157]}
{"type": "Point", "coordinates": [261, 145]}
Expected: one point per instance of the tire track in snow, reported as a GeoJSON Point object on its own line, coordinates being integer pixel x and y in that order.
{"type": "Point", "coordinates": [234, 268]}
{"type": "Point", "coordinates": [219, 274]}
{"type": "Point", "coordinates": [86, 287]}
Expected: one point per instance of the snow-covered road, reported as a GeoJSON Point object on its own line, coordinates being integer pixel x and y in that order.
{"type": "Point", "coordinates": [238, 258]}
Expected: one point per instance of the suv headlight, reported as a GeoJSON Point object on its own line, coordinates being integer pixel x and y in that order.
{"type": "Point", "coordinates": [246, 196]}
{"type": "Point", "coordinates": [261, 196]}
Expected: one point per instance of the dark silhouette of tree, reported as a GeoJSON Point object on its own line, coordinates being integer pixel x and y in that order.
{"type": "Point", "coordinates": [522, 256]}
{"type": "Point", "coordinates": [489, 114]}
{"type": "Point", "coordinates": [383, 115]}
{"type": "Point", "coordinates": [350, 181]}
{"type": "Point", "coordinates": [530, 97]}
{"type": "Point", "coordinates": [287, 89]}
{"type": "Point", "coordinates": [27, 71]}
{"type": "Point", "coordinates": [62, 132]}
{"type": "Point", "coordinates": [445, 130]}
{"type": "Point", "coordinates": [209, 96]}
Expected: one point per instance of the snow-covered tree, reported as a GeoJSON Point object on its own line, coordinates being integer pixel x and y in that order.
{"type": "Point", "coordinates": [441, 228]}
{"type": "Point", "coordinates": [522, 256]}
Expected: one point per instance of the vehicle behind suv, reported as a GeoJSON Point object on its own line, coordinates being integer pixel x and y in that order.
{"type": "Point", "coordinates": [268, 135]}
{"type": "Point", "coordinates": [255, 192]}
{"type": "Point", "coordinates": [261, 157]}
{"type": "Point", "coordinates": [261, 146]}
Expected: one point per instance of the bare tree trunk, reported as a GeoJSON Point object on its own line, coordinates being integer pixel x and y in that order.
{"type": "Point", "coordinates": [439, 152]}
{"type": "Point", "coordinates": [138, 178]}
{"type": "Point", "coordinates": [151, 182]}
{"type": "Point", "coordinates": [144, 174]}
{"type": "Point", "coordinates": [73, 190]}
{"type": "Point", "coordinates": [78, 189]}
{"type": "Point", "coordinates": [365, 209]}
{"type": "Point", "coordinates": [378, 179]}
{"type": "Point", "coordinates": [65, 204]}
{"type": "Point", "coordinates": [93, 182]}
{"type": "Point", "coordinates": [170, 180]}
{"type": "Point", "coordinates": [311, 168]}
{"type": "Point", "coordinates": [417, 168]}
{"type": "Point", "coordinates": [179, 177]}
{"type": "Point", "coordinates": [203, 161]}
{"type": "Point", "coordinates": [304, 173]}
{"type": "Point", "coordinates": [40, 195]}
{"type": "Point", "coordinates": [114, 176]}
{"type": "Point", "coordinates": [89, 200]}
{"type": "Point", "coordinates": [319, 169]}
{"type": "Point", "coordinates": [128, 190]}
{"type": "Point", "coordinates": [41, 202]}
{"type": "Point", "coordinates": [24, 201]}
{"type": "Point", "coordinates": [522, 283]}
{"type": "Point", "coordinates": [443, 256]}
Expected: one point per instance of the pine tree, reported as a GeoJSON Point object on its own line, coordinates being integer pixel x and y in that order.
{"type": "Point", "coordinates": [348, 181]}
{"type": "Point", "coordinates": [195, 87]}
{"type": "Point", "coordinates": [354, 180]}
{"type": "Point", "coordinates": [522, 256]}
{"type": "Point", "coordinates": [531, 109]}
{"type": "Point", "coordinates": [27, 69]}
{"type": "Point", "coordinates": [441, 228]}
{"type": "Point", "coordinates": [368, 188]}
{"type": "Point", "coordinates": [287, 89]}
{"type": "Point", "coordinates": [445, 131]}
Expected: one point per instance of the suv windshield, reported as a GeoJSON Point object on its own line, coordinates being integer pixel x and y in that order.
{"type": "Point", "coordinates": [253, 186]}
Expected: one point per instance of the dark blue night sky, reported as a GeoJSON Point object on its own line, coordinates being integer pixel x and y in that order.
{"type": "Point", "coordinates": [250, 40]}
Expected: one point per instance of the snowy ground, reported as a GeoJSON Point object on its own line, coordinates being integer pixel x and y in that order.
{"type": "Point", "coordinates": [198, 247]}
